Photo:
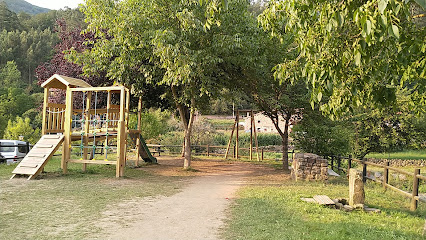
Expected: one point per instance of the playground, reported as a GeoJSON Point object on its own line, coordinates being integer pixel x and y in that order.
{"type": "Point", "coordinates": [98, 187]}
{"type": "Point", "coordinates": [220, 200]}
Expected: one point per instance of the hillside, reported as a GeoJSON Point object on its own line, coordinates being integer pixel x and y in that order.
{"type": "Point", "coordinates": [18, 6]}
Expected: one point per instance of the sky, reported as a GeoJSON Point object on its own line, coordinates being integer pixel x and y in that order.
{"type": "Point", "coordinates": [55, 4]}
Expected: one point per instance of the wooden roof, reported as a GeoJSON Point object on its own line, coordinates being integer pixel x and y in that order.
{"type": "Point", "coordinates": [62, 82]}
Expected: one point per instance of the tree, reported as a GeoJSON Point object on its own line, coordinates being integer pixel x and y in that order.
{"type": "Point", "coordinates": [353, 52]}
{"type": "Point", "coordinates": [8, 19]}
{"type": "Point", "coordinates": [170, 43]}
{"type": "Point", "coordinates": [317, 134]}
{"type": "Point", "coordinates": [10, 76]}
{"type": "Point", "coordinates": [22, 127]}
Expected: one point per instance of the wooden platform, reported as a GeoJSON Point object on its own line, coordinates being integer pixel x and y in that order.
{"type": "Point", "coordinates": [323, 200]}
{"type": "Point", "coordinates": [37, 158]}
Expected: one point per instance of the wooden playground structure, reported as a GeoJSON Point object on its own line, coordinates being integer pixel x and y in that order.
{"type": "Point", "coordinates": [253, 133]}
{"type": "Point", "coordinates": [85, 126]}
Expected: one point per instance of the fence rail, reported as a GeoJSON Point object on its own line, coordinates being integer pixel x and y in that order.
{"type": "Point", "coordinates": [213, 150]}
{"type": "Point", "coordinates": [414, 195]}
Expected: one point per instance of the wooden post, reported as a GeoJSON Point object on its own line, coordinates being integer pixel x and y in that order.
{"type": "Point", "coordinates": [251, 135]}
{"type": "Point", "coordinates": [139, 131]}
{"type": "Point", "coordinates": [415, 193]}
{"type": "Point", "coordinates": [121, 137]}
{"type": "Point", "coordinates": [108, 117]}
{"type": "Point", "coordinates": [66, 147]}
{"type": "Point", "coordinates": [208, 150]}
{"type": "Point", "coordinates": [332, 162]}
{"type": "Point", "coordinates": [230, 139]}
{"type": "Point", "coordinates": [338, 163]}
{"type": "Point", "coordinates": [45, 102]}
{"type": "Point", "coordinates": [386, 175]}
{"type": "Point", "coordinates": [262, 154]}
{"type": "Point", "coordinates": [349, 162]}
{"type": "Point", "coordinates": [255, 138]}
{"type": "Point", "coordinates": [85, 142]}
{"type": "Point", "coordinates": [364, 171]}
{"type": "Point", "coordinates": [237, 135]}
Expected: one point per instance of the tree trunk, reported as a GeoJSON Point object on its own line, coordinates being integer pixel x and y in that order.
{"type": "Point", "coordinates": [187, 124]}
{"type": "Point", "coordinates": [284, 137]}
{"type": "Point", "coordinates": [187, 153]}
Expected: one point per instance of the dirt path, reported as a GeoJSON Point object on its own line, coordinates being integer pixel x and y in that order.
{"type": "Point", "coordinates": [197, 212]}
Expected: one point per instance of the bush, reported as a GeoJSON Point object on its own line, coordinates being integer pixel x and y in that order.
{"type": "Point", "coordinates": [319, 135]}
{"type": "Point", "coordinates": [22, 127]}
{"type": "Point", "coordinates": [154, 123]}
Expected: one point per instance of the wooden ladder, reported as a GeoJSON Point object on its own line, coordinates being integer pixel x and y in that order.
{"type": "Point", "coordinates": [34, 162]}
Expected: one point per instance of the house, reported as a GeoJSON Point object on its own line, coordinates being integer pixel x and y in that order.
{"type": "Point", "coordinates": [264, 124]}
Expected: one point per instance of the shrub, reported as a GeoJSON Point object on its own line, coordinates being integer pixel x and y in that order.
{"type": "Point", "coordinates": [154, 123]}
{"type": "Point", "coordinates": [22, 127]}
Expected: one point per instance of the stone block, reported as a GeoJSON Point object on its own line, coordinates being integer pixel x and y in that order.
{"type": "Point", "coordinates": [356, 187]}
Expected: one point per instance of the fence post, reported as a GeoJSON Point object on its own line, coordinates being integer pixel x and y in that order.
{"type": "Point", "coordinates": [386, 175]}
{"type": "Point", "coordinates": [292, 155]}
{"type": "Point", "coordinates": [262, 153]}
{"type": "Point", "coordinates": [332, 162]}
{"type": "Point", "coordinates": [415, 190]}
{"type": "Point", "coordinates": [338, 163]}
{"type": "Point", "coordinates": [208, 150]}
{"type": "Point", "coordinates": [349, 162]}
{"type": "Point", "coordinates": [364, 170]}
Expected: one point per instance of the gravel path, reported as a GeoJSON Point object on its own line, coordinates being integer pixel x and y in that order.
{"type": "Point", "coordinates": [197, 212]}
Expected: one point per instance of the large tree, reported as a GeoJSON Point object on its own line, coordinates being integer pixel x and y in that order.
{"type": "Point", "coordinates": [353, 52]}
{"type": "Point", "coordinates": [179, 44]}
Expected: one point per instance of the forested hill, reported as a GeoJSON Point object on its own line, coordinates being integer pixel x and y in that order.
{"type": "Point", "coordinates": [18, 6]}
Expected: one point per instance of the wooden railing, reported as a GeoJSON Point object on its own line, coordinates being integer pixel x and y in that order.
{"type": "Point", "coordinates": [55, 116]}
{"type": "Point", "coordinates": [335, 162]}
{"type": "Point", "coordinates": [212, 150]}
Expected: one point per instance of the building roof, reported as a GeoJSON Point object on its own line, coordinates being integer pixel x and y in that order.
{"type": "Point", "coordinates": [62, 82]}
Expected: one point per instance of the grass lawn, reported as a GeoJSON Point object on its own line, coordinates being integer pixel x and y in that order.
{"type": "Point", "coordinates": [276, 212]}
{"type": "Point", "coordinates": [69, 206]}
{"type": "Point", "coordinates": [409, 154]}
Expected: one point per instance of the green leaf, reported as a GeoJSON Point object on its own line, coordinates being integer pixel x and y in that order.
{"type": "Point", "coordinates": [384, 20]}
{"type": "Point", "coordinates": [319, 96]}
{"type": "Point", "coordinates": [357, 58]}
{"type": "Point", "coordinates": [395, 31]}
{"type": "Point", "coordinates": [382, 5]}
{"type": "Point", "coordinates": [368, 27]}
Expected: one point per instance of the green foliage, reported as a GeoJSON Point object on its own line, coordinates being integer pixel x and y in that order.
{"type": "Point", "coordinates": [154, 123]}
{"type": "Point", "coordinates": [22, 127]}
{"type": "Point", "coordinates": [406, 155]}
{"type": "Point", "coordinates": [172, 138]}
{"type": "Point", "coordinates": [10, 76]}
{"type": "Point", "coordinates": [352, 52]}
{"type": "Point", "coordinates": [318, 134]}
{"type": "Point", "coordinates": [8, 19]}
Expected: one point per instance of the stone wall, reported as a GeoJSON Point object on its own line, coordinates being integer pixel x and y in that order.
{"type": "Point", "coordinates": [309, 166]}
{"type": "Point", "coordinates": [399, 162]}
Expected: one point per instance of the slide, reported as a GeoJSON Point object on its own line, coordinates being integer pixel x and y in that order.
{"type": "Point", "coordinates": [144, 151]}
{"type": "Point", "coordinates": [36, 159]}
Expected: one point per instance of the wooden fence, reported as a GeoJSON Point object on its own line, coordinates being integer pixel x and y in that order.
{"type": "Point", "coordinates": [336, 162]}
{"type": "Point", "coordinates": [211, 150]}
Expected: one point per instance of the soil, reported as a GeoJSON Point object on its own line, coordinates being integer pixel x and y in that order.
{"type": "Point", "coordinates": [197, 212]}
